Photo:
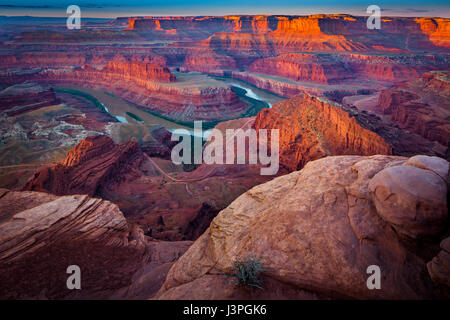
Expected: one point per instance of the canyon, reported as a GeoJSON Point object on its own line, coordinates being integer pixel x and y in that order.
{"type": "Point", "coordinates": [419, 107]}
{"type": "Point", "coordinates": [86, 170]}
{"type": "Point", "coordinates": [168, 201]}
{"type": "Point", "coordinates": [132, 81]}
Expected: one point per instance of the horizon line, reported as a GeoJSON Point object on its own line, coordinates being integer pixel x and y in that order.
{"type": "Point", "coordinates": [214, 15]}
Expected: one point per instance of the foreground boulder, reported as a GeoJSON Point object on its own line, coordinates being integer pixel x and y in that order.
{"type": "Point", "coordinates": [41, 235]}
{"type": "Point", "coordinates": [439, 267]}
{"type": "Point", "coordinates": [31, 220]}
{"type": "Point", "coordinates": [316, 232]}
{"type": "Point", "coordinates": [411, 199]}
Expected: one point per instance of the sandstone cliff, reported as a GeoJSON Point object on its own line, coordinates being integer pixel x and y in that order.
{"type": "Point", "coordinates": [338, 33]}
{"type": "Point", "coordinates": [44, 56]}
{"type": "Point", "coordinates": [312, 128]}
{"type": "Point", "coordinates": [136, 71]}
{"type": "Point", "coordinates": [341, 69]}
{"type": "Point", "coordinates": [301, 67]}
{"type": "Point", "coordinates": [88, 167]}
{"type": "Point", "coordinates": [307, 33]}
{"type": "Point", "coordinates": [207, 60]}
{"type": "Point", "coordinates": [252, 24]}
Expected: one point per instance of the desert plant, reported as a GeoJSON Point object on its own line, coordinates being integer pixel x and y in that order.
{"type": "Point", "coordinates": [247, 272]}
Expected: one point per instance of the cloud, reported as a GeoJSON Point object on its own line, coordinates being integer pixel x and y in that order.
{"type": "Point", "coordinates": [406, 10]}
{"type": "Point", "coordinates": [82, 5]}
{"type": "Point", "coordinates": [416, 10]}
{"type": "Point", "coordinates": [13, 6]}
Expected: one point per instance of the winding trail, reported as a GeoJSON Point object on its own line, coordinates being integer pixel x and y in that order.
{"type": "Point", "coordinates": [206, 175]}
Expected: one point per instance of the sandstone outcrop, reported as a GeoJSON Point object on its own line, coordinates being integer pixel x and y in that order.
{"type": "Point", "coordinates": [335, 68]}
{"type": "Point", "coordinates": [421, 105]}
{"type": "Point", "coordinates": [343, 33]}
{"type": "Point", "coordinates": [42, 56]}
{"type": "Point", "coordinates": [436, 29]}
{"type": "Point", "coordinates": [31, 220]}
{"type": "Point", "coordinates": [26, 97]}
{"type": "Point", "coordinates": [161, 146]}
{"type": "Point", "coordinates": [195, 26]}
{"type": "Point", "coordinates": [134, 71]}
{"type": "Point", "coordinates": [412, 200]}
{"type": "Point", "coordinates": [42, 235]}
{"type": "Point", "coordinates": [282, 88]}
{"type": "Point", "coordinates": [316, 232]}
{"type": "Point", "coordinates": [301, 67]}
{"type": "Point", "coordinates": [88, 167]}
{"type": "Point", "coordinates": [321, 31]}
{"type": "Point", "coordinates": [312, 128]}
{"type": "Point", "coordinates": [207, 61]}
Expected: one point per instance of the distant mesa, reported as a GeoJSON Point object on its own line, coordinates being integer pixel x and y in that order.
{"type": "Point", "coordinates": [309, 33]}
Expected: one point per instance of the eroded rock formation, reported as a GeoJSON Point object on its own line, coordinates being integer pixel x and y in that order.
{"type": "Point", "coordinates": [135, 71]}
{"type": "Point", "coordinates": [42, 235]}
{"type": "Point", "coordinates": [88, 167]}
{"type": "Point", "coordinates": [421, 106]}
{"type": "Point", "coordinates": [337, 33]}
{"type": "Point", "coordinates": [300, 67]}
{"type": "Point", "coordinates": [312, 128]}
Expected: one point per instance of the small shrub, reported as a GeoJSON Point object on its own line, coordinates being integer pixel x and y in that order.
{"type": "Point", "coordinates": [247, 272]}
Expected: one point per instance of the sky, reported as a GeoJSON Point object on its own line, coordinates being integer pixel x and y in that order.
{"type": "Point", "coordinates": [121, 8]}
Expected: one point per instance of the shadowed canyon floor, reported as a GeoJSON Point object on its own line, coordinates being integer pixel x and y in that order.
{"type": "Point", "coordinates": [317, 230]}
